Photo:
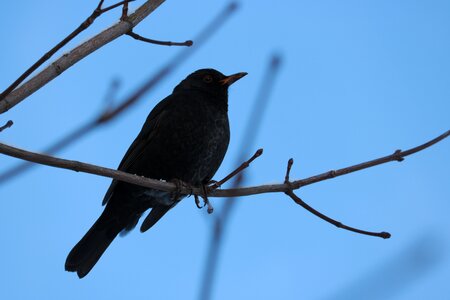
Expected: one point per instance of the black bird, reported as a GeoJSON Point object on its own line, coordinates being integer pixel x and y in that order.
{"type": "Point", "coordinates": [185, 138]}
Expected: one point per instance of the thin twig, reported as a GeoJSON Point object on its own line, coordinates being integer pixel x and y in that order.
{"type": "Point", "coordinates": [138, 37]}
{"type": "Point", "coordinates": [288, 170]}
{"type": "Point", "coordinates": [75, 55]}
{"type": "Point", "coordinates": [124, 15]}
{"type": "Point", "coordinates": [112, 112]}
{"type": "Point", "coordinates": [7, 125]}
{"type": "Point", "coordinates": [299, 201]}
{"type": "Point", "coordinates": [83, 26]}
{"type": "Point", "coordinates": [239, 169]}
{"type": "Point", "coordinates": [275, 188]}
{"type": "Point", "coordinates": [170, 187]}
{"type": "Point", "coordinates": [384, 235]}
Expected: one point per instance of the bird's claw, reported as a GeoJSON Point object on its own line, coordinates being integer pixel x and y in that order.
{"type": "Point", "coordinates": [197, 202]}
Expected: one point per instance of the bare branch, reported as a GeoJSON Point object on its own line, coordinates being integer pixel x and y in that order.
{"type": "Point", "coordinates": [14, 97]}
{"type": "Point", "coordinates": [88, 22]}
{"type": "Point", "coordinates": [7, 125]}
{"type": "Point", "coordinates": [299, 201]}
{"type": "Point", "coordinates": [138, 37]}
{"type": "Point", "coordinates": [235, 192]}
{"type": "Point", "coordinates": [112, 112]}
{"type": "Point", "coordinates": [67, 140]}
{"type": "Point", "coordinates": [274, 188]}
{"type": "Point", "coordinates": [384, 235]}
{"type": "Point", "coordinates": [88, 168]}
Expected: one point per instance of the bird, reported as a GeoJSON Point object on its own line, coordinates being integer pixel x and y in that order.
{"type": "Point", "coordinates": [184, 138]}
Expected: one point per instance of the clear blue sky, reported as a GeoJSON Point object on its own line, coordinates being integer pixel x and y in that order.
{"type": "Point", "coordinates": [359, 79]}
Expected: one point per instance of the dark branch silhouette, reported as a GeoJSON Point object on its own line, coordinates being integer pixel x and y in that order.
{"type": "Point", "coordinates": [54, 69]}
{"type": "Point", "coordinates": [233, 192]}
{"type": "Point", "coordinates": [299, 201]}
{"type": "Point", "coordinates": [98, 11]}
{"type": "Point", "coordinates": [110, 112]}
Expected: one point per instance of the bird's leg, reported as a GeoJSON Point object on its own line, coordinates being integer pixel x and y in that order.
{"type": "Point", "coordinates": [206, 200]}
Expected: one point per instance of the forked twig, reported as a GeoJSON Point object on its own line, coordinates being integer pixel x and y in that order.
{"type": "Point", "coordinates": [299, 201]}
{"type": "Point", "coordinates": [296, 184]}
{"type": "Point", "coordinates": [83, 26]}
{"type": "Point", "coordinates": [76, 54]}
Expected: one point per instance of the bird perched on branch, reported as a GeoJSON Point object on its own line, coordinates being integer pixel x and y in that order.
{"type": "Point", "coordinates": [184, 138]}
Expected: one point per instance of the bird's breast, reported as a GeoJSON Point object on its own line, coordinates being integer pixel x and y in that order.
{"type": "Point", "coordinates": [191, 147]}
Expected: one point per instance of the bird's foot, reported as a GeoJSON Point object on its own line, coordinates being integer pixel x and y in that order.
{"type": "Point", "coordinates": [206, 200]}
{"type": "Point", "coordinates": [179, 184]}
{"type": "Point", "coordinates": [197, 202]}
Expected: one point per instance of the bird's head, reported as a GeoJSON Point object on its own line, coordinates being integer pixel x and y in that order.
{"type": "Point", "coordinates": [210, 81]}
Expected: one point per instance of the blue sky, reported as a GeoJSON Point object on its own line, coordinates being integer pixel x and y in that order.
{"type": "Point", "coordinates": [359, 79]}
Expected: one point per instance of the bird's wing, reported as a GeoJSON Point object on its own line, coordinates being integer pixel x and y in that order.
{"type": "Point", "coordinates": [149, 128]}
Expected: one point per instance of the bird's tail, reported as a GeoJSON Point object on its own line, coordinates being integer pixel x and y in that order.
{"type": "Point", "coordinates": [90, 248]}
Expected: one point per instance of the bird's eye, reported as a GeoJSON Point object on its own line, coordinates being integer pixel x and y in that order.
{"type": "Point", "coordinates": [208, 79]}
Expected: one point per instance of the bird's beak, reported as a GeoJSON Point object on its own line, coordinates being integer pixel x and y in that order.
{"type": "Point", "coordinates": [229, 80]}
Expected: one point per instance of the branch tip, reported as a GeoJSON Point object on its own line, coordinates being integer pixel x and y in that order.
{"type": "Point", "coordinates": [288, 170]}
{"type": "Point", "coordinates": [7, 125]}
{"type": "Point", "coordinates": [259, 152]}
{"type": "Point", "coordinates": [385, 235]}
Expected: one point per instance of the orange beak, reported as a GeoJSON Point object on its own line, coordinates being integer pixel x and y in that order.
{"type": "Point", "coordinates": [229, 80]}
